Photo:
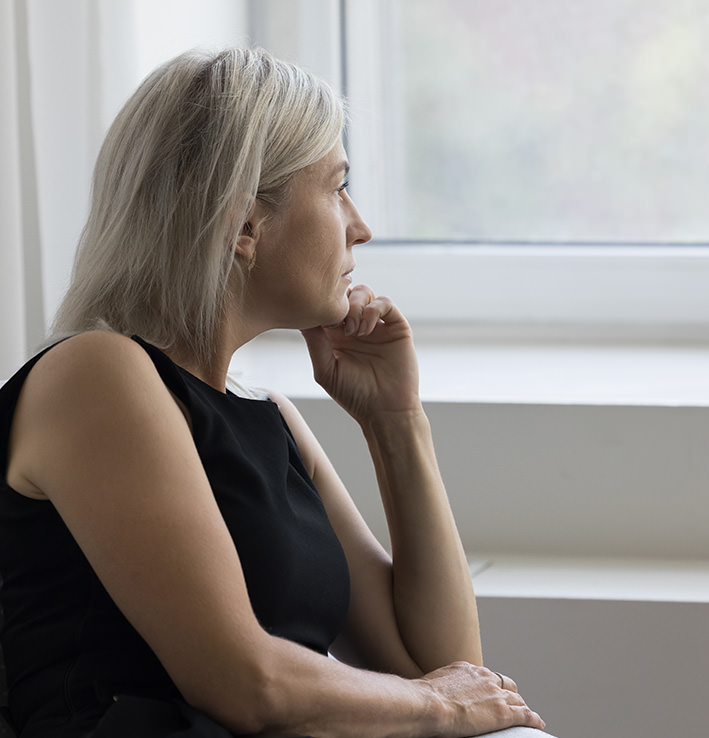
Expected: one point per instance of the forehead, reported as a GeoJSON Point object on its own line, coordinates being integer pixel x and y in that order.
{"type": "Point", "coordinates": [332, 166]}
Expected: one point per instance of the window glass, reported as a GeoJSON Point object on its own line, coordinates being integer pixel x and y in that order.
{"type": "Point", "coordinates": [538, 121]}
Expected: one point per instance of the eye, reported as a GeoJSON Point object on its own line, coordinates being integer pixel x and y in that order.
{"type": "Point", "coordinates": [344, 186]}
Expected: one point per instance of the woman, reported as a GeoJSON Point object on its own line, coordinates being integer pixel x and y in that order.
{"type": "Point", "coordinates": [179, 559]}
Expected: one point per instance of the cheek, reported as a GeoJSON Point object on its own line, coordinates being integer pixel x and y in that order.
{"type": "Point", "coordinates": [325, 262]}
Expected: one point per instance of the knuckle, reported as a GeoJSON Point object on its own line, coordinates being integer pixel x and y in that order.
{"type": "Point", "coordinates": [362, 289]}
{"type": "Point", "coordinates": [467, 666]}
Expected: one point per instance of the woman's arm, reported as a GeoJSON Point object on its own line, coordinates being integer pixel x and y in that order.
{"type": "Point", "coordinates": [433, 591]}
{"type": "Point", "coordinates": [97, 432]}
{"type": "Point", "coordinates": [373, 636]}
{"type": "Point", "coordinates": [374, 376]}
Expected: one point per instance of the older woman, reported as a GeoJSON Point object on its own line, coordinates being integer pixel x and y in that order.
{"type": "Point", "coordinates": [179, 558]}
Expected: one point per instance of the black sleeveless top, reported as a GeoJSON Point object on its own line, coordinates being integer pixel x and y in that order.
{"type": "Point", "coordinates": [68, 649]}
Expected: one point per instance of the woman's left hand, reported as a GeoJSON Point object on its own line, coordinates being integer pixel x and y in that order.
{"type": "Point", "coordinates": [367, 363]}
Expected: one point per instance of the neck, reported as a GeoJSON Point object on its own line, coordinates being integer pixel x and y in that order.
{"type": "Point", "coordinates": [232, 335]}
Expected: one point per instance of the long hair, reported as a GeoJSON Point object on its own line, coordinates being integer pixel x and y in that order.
{"type": "Point", "coordinates": [174, 182]}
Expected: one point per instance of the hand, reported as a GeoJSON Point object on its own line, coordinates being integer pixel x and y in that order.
{"type": "Point", "coordinates": [367, 363]}
{"type": "Point", "coordinates": [479, 703]}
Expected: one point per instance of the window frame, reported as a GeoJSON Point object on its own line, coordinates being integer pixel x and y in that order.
{"type": "Point", "coordinates": [595, 291]}
{"type": "Point", "coordinates": [614, 291]}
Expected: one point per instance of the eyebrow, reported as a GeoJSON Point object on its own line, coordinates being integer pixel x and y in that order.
{"type": "Point", "coordinates": [343, 166]}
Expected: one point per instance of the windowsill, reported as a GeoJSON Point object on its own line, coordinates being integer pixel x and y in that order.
{"type": "Point", "coordinates": [480, 369]}
{"type": "Point", "coordinates": [571, 450]}
{"type": "Point", "coordinates": [643, 580]}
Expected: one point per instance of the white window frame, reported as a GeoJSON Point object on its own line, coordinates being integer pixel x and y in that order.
{"type": "Point", "coordinates": [620, 291]}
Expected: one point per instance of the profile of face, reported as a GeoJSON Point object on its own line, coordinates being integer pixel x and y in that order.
{"type": "Point", "coordinates": [303, 253]}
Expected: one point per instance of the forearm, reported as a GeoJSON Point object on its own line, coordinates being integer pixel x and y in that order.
{"type": "Point", "coordinates": [432, 589]}
{"type": "Point", "coordinates": [292, 690]}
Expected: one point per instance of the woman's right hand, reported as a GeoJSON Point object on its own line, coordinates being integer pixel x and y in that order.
{"type": "Point", "coordinates": [477, 702]}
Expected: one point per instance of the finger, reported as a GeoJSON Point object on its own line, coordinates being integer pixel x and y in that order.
{"type": "Point", "coordinates": [504, 682]}
{"type": "Point", "coordinates": [361, 293]}
{"type": "Point", "coordinates": [376, 311]}
{"type": "Point", "coordinates": [526, 716]}
{"type": "Point", "coordinates": [507, 683]}
{"type": "Point", "coordinates": [519, 708]}
{"type": "Point", "coordinates": [359, 297]}
{"type": "Point", "coordinates": [368, 310]}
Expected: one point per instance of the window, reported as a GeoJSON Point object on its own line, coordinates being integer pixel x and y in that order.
{"type": "Point", "coordinates": [534, 164]}
{"type": "Point", "coordinates": [543, 121]}
{"type": "Point", "coordinates": [473, 205]}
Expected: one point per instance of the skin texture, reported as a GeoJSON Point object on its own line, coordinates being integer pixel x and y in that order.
{"type": "Point", "coordinates": [304, 252]}
{"type": "Point", "coordinates": [98, 434]}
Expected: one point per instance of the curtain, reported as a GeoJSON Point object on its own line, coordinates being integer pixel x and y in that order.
{"type": "Point", "coordinates": [66, 67]}
{"type": "Point", "coordinates": [13, 309]}
{"type": "Point", "coordinates": [50, 125]}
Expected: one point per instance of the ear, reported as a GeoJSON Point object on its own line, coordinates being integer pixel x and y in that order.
{"type": "Point", "coordinates": [246, 241]}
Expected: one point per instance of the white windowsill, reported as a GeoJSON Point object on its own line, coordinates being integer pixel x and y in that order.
{"type": "Point", "coordinates": [642, 580]}
{"type": "Point", "coordinates": [476, 369]}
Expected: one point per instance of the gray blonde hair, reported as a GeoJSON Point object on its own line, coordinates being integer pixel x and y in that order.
{"type": "Point", "coordinates": [174, 182]}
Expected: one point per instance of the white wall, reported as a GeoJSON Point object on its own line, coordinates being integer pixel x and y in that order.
{"type": "Point", "coordinates": [604, 669]}
{"type": "Point", "coordinates": [614, 648]}
{"type": "Point", "coordinates": [563, 480]}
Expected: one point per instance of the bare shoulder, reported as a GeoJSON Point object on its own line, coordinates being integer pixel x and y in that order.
{"type": "Point", "coordinates": [85, 389]}
{"type": "Point", "coordinates": [91, 370]}
{"type": "Point", "coordinates": [91, 355]}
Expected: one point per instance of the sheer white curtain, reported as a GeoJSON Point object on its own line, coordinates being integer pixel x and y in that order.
{"type": "Point", "coordinates": [66, 66]}
{"type": "Point", "coordinates": [13, 321]}
{"type": "Point", "coordinates": [54, 104]}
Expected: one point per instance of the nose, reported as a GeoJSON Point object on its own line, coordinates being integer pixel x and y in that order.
{"type": "Point", "coordinates": [358, 232]}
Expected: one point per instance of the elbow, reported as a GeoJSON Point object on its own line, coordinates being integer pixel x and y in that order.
{"type": "Point", "coordinates": [251, 704]}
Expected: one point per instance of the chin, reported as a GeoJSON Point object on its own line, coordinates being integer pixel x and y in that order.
{"type": "Point", "coordinates": [331, 315]}
{"type": "Point", "coordinates": [341, 314]}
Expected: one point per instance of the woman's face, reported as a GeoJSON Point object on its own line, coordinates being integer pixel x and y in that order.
{"type": "Point", "coordinates": [304, 252]}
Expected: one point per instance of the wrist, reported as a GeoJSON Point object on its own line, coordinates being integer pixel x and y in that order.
{"type": "Point", "coordinates": [437, 714]}
{"type": "Point", "coordinates": [386, 423]}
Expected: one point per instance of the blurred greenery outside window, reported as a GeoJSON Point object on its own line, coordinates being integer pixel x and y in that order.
{"type": "Point", "coordinates": [534, 122]}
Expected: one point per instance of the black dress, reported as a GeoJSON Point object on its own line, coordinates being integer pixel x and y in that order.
{"type": "Point", "coordinates": [69, 651]}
